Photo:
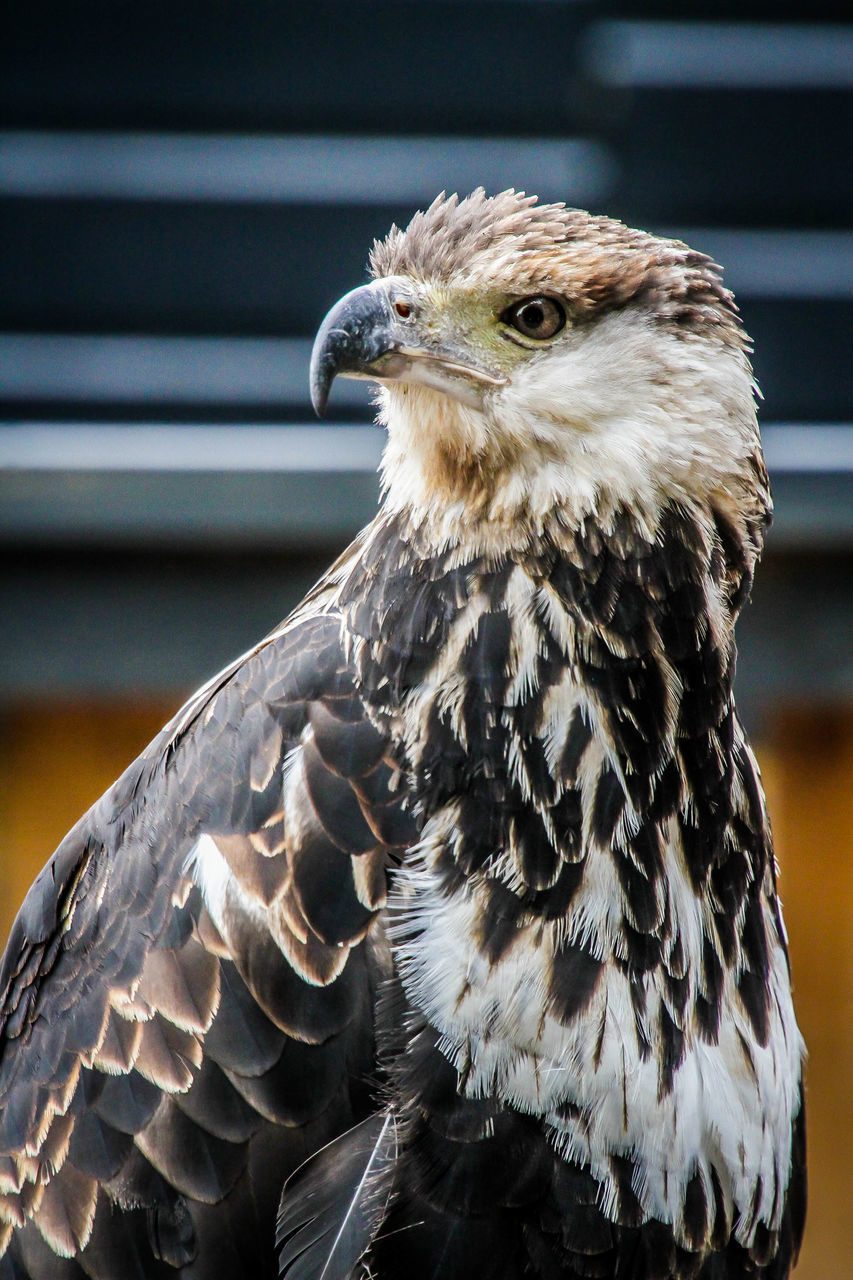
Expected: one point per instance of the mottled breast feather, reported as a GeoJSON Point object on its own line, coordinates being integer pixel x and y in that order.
{"type": "Point", "coordinates": [458, 888]}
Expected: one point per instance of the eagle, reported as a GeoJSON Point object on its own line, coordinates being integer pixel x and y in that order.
{"type": "Point", "coordinates": [438, 936]}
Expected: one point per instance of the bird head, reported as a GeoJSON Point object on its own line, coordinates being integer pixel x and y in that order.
{"type": "Point", "coordinates": [534, 358]}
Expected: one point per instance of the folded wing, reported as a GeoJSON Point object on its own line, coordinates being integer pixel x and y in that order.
{"type": "Point", "coordinates": [188, 991]}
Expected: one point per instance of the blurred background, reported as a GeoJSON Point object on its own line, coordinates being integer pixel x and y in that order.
{"type": "Point", "coordinates": [187, 185]}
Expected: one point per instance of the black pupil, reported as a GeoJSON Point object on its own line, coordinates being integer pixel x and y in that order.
{"type": "Point", "coordinates": [533, 315]}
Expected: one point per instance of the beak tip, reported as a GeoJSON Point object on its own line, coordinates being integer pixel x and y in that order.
{"type": "Point", "coordinates": [321, 377]}
{"type": "Point", "coordinates": [319, 399]}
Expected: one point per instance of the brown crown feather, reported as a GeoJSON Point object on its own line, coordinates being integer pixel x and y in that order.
{"type": "Point", "coordinates": [511, 243]}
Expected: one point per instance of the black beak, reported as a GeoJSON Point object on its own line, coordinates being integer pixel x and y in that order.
{"type": "Point", "coordinates": [356, 333]}
{"type": "Point", "coordinates": [363, 337]}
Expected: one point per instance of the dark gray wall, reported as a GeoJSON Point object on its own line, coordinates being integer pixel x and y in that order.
{"type": "Point", "coordinates": [187, 186]}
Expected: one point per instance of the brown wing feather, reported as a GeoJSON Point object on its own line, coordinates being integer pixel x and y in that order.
{"type": "Point", "coordinates": [187, 992]}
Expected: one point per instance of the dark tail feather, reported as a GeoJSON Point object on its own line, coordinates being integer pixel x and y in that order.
{"type": "Point", "coordinates": [333, 1205]}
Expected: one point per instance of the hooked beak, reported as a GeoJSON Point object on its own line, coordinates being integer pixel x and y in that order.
{"type": "Point", "coordinates": [363, 337]}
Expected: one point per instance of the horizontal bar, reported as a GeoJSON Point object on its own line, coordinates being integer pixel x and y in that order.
{"type": "Point", "coordinates": [162, 485]}
{"type": "Point", "coordinates": [125, 369]}
{"type": "Point", "coordinates": [810, 448]}
{"type": "Point", "coordinates": [778, 264]}
{"type": "Point", "coordinates": [296, 169]}
{"type": "Point", "coordinates": [720, 55]}
{"type": "Point", "coordinates": [200, 509]}
{"type": "Point", "coordinates": [166, 447]}
{"type": "Point", "coordinates": [234, 509]}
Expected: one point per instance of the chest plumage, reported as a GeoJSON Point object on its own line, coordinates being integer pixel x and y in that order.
{"type": "Point", "coordinates": [588, 921]}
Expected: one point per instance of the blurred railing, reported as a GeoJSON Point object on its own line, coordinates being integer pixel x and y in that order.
{"type": "Point", "coordinates": [184, 190]}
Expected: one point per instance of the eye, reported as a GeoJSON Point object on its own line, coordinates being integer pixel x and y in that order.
{"type": "Point", "coordinates": [539, 317]}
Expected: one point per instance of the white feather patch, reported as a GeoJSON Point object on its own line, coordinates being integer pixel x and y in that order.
{"type": "Point", "coordinates": [496, 1029]}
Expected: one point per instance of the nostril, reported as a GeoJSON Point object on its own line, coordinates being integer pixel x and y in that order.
{"type": "Point", "coordinates": [403, 309]}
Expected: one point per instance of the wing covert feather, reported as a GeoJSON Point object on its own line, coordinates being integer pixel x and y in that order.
{"type": "Point", "coordinates": [190, 981]}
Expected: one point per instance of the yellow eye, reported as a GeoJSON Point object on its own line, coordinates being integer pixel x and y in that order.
{"type": "Point", "coordinates": [539, 317]}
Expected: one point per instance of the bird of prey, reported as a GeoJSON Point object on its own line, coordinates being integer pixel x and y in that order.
{"type": "Point", "coordinates": [438, 936]}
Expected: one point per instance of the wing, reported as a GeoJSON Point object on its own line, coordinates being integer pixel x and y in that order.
{"type": "Point", "coordinates": [188, 990]}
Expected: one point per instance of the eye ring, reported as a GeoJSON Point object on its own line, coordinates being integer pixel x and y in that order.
{"type": "Point", "coordinates": [537, 318]}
